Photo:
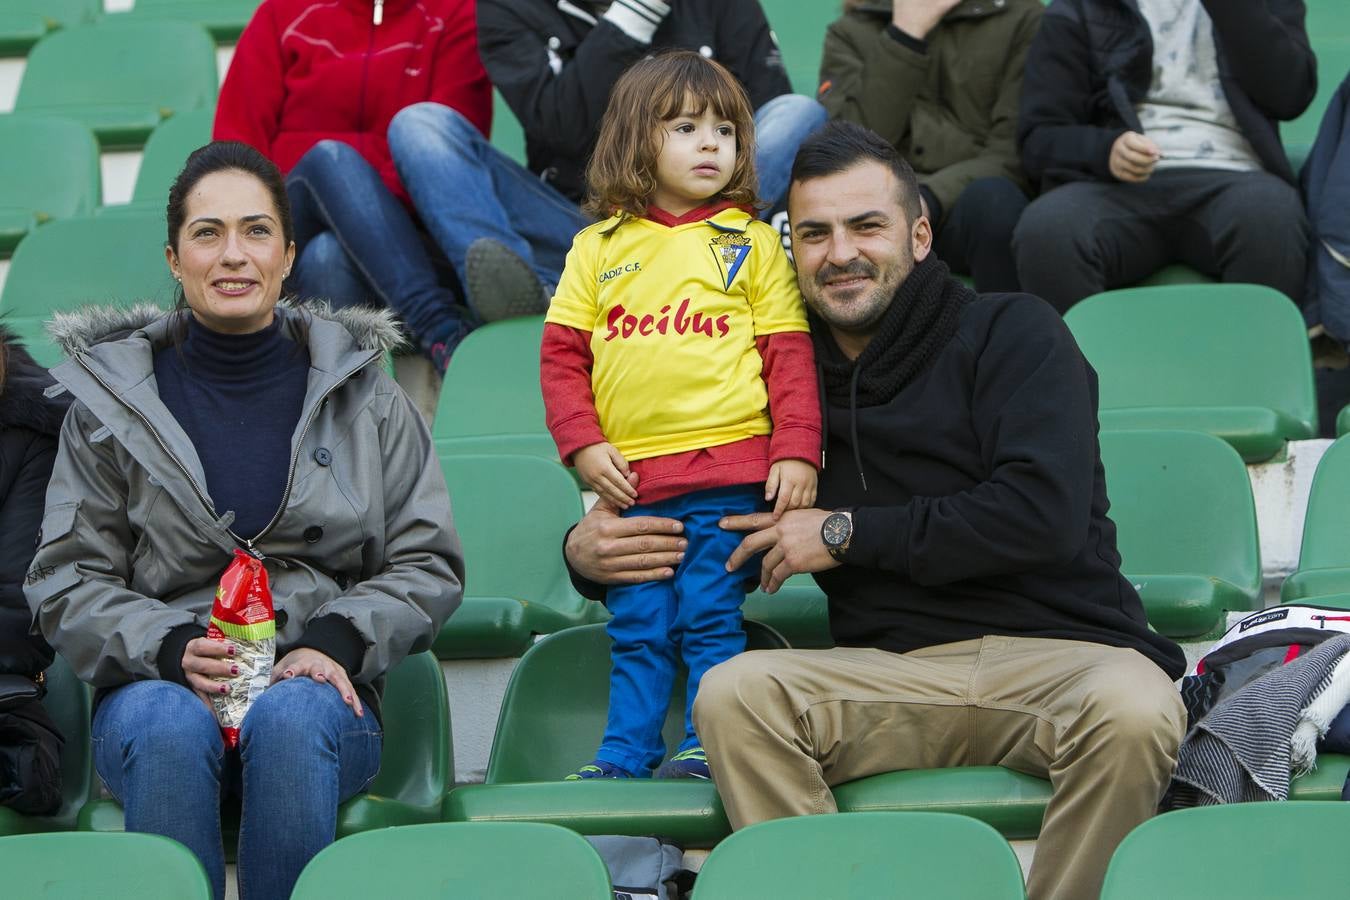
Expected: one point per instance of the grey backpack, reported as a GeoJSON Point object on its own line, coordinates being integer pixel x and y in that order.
{"type": "Point", "coordinates": [643, 868]}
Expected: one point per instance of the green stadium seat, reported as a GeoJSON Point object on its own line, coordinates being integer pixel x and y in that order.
{"type": "Point", "coordinates": [935, 856]}
{"type": "Point", "coordinates": [1229, 359]}
{"type": "Point", "coordinates": [108, 866]}
{"type": "Point", "coordinates": [165, 153]}
{"type": "Point", "coordinates": [416, 768]}
{"type": "Point", "coordinates": [1333, 64]}
{"type": "Point", "coordinates": [50, 171]}
{"type": "Point", "coordinates": [67, 702]}
{"type": "Point", "coordinates": [490, 400]}
{"type": "Point", "coordinates": [1343, 422]}
{"type": "Point", "coordinates": [1011, 802]}
{"type": "Point", "coordinates": [507, 135]}
{"type": "Point", "coordinates": [25, 22]}
{"type": "Point", "coordinates": [224, 19]}
{"type": "Point", "coordinates": [1175, 274]}
{"type": "Point", "coordinates": [1182, 503]}
{"type": "Point", "coordinates": [520, 860]}
{"type": "Point", "coordinates": [798, 611]}
{"type": "Point", "coordinates": [800, 31]}
{"type": "Point", "coordinates": [71, 263]}
{"type": "Point", "coordinates": [517, 579]}
{"type": "Point", "coordinates": [1238, 851]}
{"type": "Point", "coordinates": [1324, 558]}
{"type": "Point", "coordinates": [552, 719]}
{"type": "Point", "coordinates": [121, 78]}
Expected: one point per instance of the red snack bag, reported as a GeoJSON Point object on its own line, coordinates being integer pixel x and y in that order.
{"type": "Point", "coordinates": [242, 614]}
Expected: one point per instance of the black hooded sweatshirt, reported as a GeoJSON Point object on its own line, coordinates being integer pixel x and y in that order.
{"type": "Point", "coordinates": [977, 487]}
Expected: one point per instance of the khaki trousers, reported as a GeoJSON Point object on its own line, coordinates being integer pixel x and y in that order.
{"type": "Point", "coordinates": [1101, 723]}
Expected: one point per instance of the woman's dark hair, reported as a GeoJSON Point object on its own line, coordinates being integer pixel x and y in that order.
{"type": "Point", "coordinates": [842, 145]}
{"type": "Point", "coordinates": [226, 156]}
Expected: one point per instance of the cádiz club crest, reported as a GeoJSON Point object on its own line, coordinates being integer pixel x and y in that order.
{"type": "Point", "coordinates": [730, 249]}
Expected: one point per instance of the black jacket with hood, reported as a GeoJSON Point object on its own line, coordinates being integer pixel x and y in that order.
{"type": "Point", "coordinates": [555, 62]}
{"type": "Point", "coordinates": [1092, 61]}
{"type": "Point", "coordinates": [29, 425]}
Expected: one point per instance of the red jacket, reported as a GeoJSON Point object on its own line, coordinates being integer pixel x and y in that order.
{"type": "Point", "coordinates": [310, 70]}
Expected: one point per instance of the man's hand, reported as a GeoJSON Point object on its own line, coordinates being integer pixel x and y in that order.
{"type": "Point", "coordinates": [308, 662]}
{"type": "Point", "coordinates": [608, 549]}
{"type": "Point", "coordinates": [792, 544]}
{"type": "Point", "coordinates": [605, 471]}
{"type": "Point", "coordinates": [793, 483]}
{"type": "Point", "coordinates": [1133, 157]}
{"type": "Point", "coordinates": [918, 17]}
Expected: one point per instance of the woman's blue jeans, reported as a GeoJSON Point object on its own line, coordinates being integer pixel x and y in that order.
{"type": "Point", "coordinates": [302, 751]}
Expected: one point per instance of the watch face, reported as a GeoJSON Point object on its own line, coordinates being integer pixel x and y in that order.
{"type": "Point", "coordinates": [835, 529]}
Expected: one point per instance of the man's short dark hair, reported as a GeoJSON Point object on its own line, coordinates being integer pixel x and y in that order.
{"type": "Point", "coordinates": [842, 145]}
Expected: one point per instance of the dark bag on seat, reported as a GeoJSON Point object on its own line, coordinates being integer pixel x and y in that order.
{"type": "Point", "coordinates": [30, 748]}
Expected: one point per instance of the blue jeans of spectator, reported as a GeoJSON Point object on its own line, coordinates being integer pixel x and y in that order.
{"type": "Point", "coordinates": [358, 245]}
{"type": "Point", "coordinates": [302, 751]}
{"type": "Point", "coordinates": [695, 616]}
{"type": "Point", "coordinates": [780, 127]}
{"type": "Point", "coordinates": [465, 189]}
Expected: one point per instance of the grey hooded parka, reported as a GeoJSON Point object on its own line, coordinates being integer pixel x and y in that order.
{"type": "Point", "coordinates": [132, 548]}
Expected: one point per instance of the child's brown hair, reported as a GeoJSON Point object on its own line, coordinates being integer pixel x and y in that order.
{"type": "Point", "coordinates": [621, 176]}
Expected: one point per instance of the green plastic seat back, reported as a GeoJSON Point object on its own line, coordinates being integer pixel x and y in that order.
{"type": "Point", "coordinates": [1186, 526]}
{"type": "Point", "coordinates": [800, 31]}
{"type": "Point", "coordinates": [520, 860]}
{"type": "Point", "coordinates": [1291, 849]}
{"type": "Point", "coordinates": [224, 19]}
{"type": "Point", "coordinates": [118, 866]}
{"type": "Point", "coordinates": [416, 762]}
{"type": "Point", "coordinates": [48, 170]}
{"type": "Point", "coordinates": [67, 702]}
{"type": "Point", "coordinates": [932, 855]}
{"type": "Point", "coordinates": [553, 713]}
{"type": "Point", "coordinates": [121, 77]}
{"type": "Point", "coordinates": [516, 556]}
{"type": "Point", "coordinates": [1326, 539]}
{"type": "Point", "coordinates": [167, 150]}
{"type": "Point", "coordinates": [1182, 504]}
{"type": "Point", "coordinates": [491, 390]}
{"type": "Point", "coordinates": [24, 22]}
{"type": "Point", "coordinates": [71, 263]}
{"type": "Point", "coordinates": [507, 134]}
{"type": "Point", "coordinates": [1199, 346]}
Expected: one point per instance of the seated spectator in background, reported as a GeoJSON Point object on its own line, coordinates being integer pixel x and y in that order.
{"type": "Point", "coordinates": [1151, 126]}
{"type": "Point", "coordinates": [1325, 182]}
{"type": "Point", "coordinates": [30, 774]}
{"type": "Point", "coordinates": [313, 86]}
{"type": "Point", "coordinates": [940, 79]}
{"type": "Point", "coordinates": [555, 64]}
{"type": "Point", "coordinates": [974, 585]}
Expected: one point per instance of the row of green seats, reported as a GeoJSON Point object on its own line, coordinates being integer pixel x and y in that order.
{"type": "Point", "coordinates": [23, 23]}
{"type": "Point", "coordinates": [51, 170]}
{"type": "Point", "coordinates": [1287, 849]}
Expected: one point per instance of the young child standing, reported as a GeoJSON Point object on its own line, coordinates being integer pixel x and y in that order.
{"type": "Point", "coordinates": [676, 333]}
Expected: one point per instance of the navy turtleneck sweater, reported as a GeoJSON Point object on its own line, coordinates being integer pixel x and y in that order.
{"type": "Point", "coordinates": [238, 397]}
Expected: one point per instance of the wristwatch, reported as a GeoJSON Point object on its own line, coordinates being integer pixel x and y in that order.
{"type": "Point", "coordinates": [836, 531]}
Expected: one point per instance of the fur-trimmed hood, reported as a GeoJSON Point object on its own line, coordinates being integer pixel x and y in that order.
{"type": "Point", "coordinates": [23, 401]}
{"type": "Point", "coordinates": [80, 329]}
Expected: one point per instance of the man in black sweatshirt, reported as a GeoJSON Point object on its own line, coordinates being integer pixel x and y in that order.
{"type": "Point", "coordinates": [973, 579]}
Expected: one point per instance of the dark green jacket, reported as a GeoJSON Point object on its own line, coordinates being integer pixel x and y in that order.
{"type": "Point", "coordinates": [950, 109]}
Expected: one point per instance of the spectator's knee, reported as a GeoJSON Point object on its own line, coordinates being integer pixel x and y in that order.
{"type": "Point", "coordinates": [413, 124]}
{"type": "Point", "coordinates": [997, 202]}
{"type": "Point", "coordinates": [166, 713]}
{"type": "Point", "coordinates": [290, 714]}
{"type": "Point", "coordinates": [1047, 225]}
{"type": "Point", "coordinates": [1135, 722]}
{"type": "Point", "coordinates": [322, 253]}
{"type": "Point", "coordinates": [331, 153]}
{"type": "Point", "coordinates": [729, 690]}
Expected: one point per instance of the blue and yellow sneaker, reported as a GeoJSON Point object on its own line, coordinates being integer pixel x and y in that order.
{"type": "Point", "coordinates": [691, 763]}
{"type": "Point", "coordinates": [599, 769]}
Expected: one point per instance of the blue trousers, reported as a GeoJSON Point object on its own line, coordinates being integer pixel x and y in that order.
{"type": "Point", "coordinates": [358, 245]}
{"type": "Point", "coordinates": [302, 751]}
{"type": "Point", "coordinates": [696, 616]}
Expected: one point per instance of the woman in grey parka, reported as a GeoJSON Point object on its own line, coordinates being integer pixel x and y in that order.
{"type": "Point", "coordinates": [231, 423]}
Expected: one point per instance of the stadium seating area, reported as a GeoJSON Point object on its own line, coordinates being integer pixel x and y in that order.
{"type": "Point", "coordinates": [1198, 381]}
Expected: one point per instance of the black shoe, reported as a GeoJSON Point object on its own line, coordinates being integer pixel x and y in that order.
{"type": "Point", "coordinates": [501, 285]}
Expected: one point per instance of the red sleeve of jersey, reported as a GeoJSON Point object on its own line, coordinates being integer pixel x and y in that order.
{"type": "Point", "coordinates": [565, 363]}
{"type": "Point", "coordinates": [794, 397]}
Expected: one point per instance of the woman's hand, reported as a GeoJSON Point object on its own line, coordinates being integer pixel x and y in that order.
{"type": "Point", "coordinates": [321, 667]}
{"type": "Point", "coordinates": [205, 663]}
